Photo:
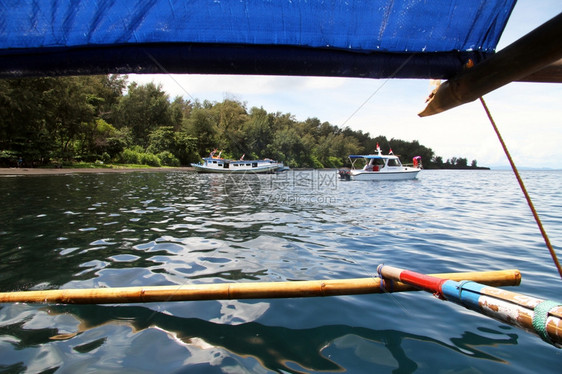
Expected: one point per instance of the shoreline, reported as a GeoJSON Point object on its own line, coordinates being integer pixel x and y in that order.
{"type": "Point", "coordinates": [63, 171]}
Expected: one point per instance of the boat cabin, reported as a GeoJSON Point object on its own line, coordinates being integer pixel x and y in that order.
{"type": "Point", "coordinates": [221, 165]}
{"type": "Point", "coordinates": [227, 164]}
{"type": "Point", "coordinates": [375, 162]}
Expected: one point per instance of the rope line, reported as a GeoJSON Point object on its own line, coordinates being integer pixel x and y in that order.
{"type": "Point", "coordinates": [378, 89]}
{"type": "Point", "coordinates": [522, 185]}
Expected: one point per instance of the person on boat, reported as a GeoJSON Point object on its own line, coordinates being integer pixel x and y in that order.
{"type": "Point", "coordinates": [371, 166]}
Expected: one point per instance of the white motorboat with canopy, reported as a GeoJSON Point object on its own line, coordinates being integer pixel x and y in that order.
{"type": "Point", "coordinates": [379, 167]}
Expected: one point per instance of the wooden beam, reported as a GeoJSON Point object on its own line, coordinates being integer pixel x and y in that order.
{"type": "Point", "coordinates": [549, 74]}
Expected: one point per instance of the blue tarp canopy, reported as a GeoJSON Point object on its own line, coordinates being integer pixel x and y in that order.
{"type": "Point", "coordinates": [362, 38]}
{"type": "Point", "coordinates": [366, 156]}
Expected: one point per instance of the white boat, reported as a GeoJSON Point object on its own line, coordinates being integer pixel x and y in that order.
{"type": "Point", "coordinates": [379, 167]}
{"type": "Point", "coordinates": [221, 165]}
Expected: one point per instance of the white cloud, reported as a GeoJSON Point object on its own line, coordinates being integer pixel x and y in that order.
{"type": "Point", "coordinates": [210, 85]}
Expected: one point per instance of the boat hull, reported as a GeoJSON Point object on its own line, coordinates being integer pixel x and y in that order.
{"type": "Point", "coordinates": [406, 174]}
{"type": "Point", "coordinates": [258, 170]}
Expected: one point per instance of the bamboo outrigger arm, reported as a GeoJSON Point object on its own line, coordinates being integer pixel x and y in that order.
{"type": "Point", "coordinates": [541, 317]}
{"type": "Point", "coordinates": [535, 57]}
{"type": "Point", "coordinates": [250, 290]}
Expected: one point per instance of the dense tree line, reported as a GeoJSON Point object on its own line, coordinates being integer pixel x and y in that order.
{"type": "Point", "coordinates": [105, 119]}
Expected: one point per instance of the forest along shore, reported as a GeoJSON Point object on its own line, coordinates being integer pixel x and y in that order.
{"type": "Point", "coordinates": [58, 171]}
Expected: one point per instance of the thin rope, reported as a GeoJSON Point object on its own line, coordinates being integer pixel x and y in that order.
{"type": "Point", "coordinates": [378, 89]}
{"type": "Point", "coordinates": [522, 185]}
{"type": "Point", "coordinates": [165, 71]}
{"type": "Point", "coordinates": [171, 76]}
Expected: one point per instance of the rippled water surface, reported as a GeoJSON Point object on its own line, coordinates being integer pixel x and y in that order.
{"type": "Point", "coordinates": [177, 228]}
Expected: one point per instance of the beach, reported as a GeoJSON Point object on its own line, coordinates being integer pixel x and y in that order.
{"type": "Point", "coordinates": [59, 171]}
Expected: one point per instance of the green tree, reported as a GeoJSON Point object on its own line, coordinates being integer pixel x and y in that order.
{"type": "Point", "coordinates": [452, 162]}
{"type": "Point", "coordinates": [178, 144]}
{"type": "Point", "coordinates": [143, 109]}
{"type": "Point", "coordinates": [70, 108]}
{"type": "Point", "coordinates": [95, 137]}
{"type": "Point", "coordinates": [230, 115]}
{"type": "Point", "coordinates": [161, 139]}
{"type": "Point", "coordinates": [54, 117]}
{"type": "Point", "coordinates": [180, 112]}
{"type": "Point", "coordinates": [288, 146]}
{"type": "Point", "coordinates": [106, 91]}
{"type": "Point", "coordinates": [201, 126]}
{"type": "Point", "coordinates": [408, 150]}
{"type": "Point", "coordinates": [437, 161]}
{"type": "Point", "coordinates": [23, 128]}
{"type": "Point", "coordinates": [185, 148]}
{"type": "Point", "coordinates": [121, 139]}
{"type": "Point", "coordinates": [462, 163]}
{"type": "Point", "coordinates": [366, 143]}
{"type": "Point", "coordinates": [257, 132]}
{"type": "Point", "coordinates": [333, 150]}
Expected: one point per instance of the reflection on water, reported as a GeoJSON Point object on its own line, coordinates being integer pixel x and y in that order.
{"type": "Point", "coordinates": [111, 230]}
{"type": "Point", "coordinates": [87, 330]}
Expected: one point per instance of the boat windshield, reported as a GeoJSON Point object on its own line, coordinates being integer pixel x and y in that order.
{"type": "Point", "coordinates": [394, 162]}
{"type": "Point", "coordinates": [374, 164]}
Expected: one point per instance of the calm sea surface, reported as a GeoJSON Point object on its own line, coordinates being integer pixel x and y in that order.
{"type": "Point", "coordinates": [176, 228]}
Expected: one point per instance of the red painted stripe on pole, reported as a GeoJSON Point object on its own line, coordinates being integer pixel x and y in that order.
{"type": "Point", "coordinates": [425, 282]}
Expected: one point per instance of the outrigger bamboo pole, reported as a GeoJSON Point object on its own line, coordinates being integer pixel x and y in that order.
{"type": "Point", "coordinates": [540, 317]}
{"type": "Point", "coordinates": [253, 290]}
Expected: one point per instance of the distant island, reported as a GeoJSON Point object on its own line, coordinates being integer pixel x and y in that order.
{"type": "Point", "coordinates": [456, 163]}
{"type": "Point", "coordinates": [105, 119]}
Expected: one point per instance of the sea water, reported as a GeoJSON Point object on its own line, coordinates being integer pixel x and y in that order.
{"type": "Point", "coordinates": [178, 228]}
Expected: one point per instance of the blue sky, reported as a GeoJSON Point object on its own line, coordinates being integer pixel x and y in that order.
{"type": "Point", "coordinates": [529, 115]}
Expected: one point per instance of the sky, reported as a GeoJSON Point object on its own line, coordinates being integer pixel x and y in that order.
{"type": "Point", "coordinates": [528, 115]}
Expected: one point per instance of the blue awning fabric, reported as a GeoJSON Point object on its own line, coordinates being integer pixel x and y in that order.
{"type": "Point", "coordinates": [363, 38]}
{"type": "Point", "coordinates": [366, 156]}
